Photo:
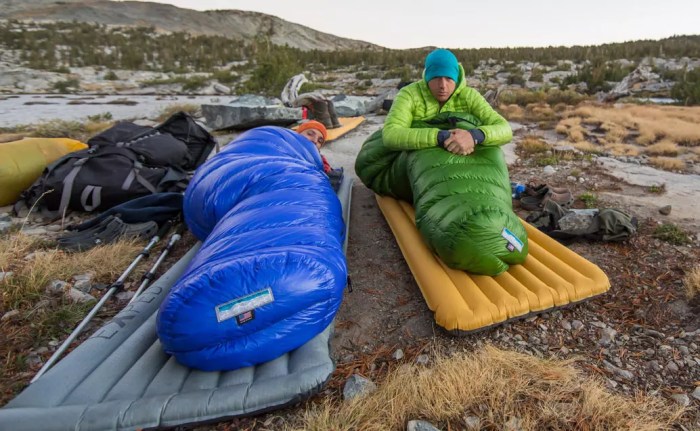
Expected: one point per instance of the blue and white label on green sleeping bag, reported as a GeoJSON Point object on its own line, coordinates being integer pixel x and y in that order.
{"type": "Point", "coordinates": [243, 304]}
{"type": "Point", "coordinates": [513, 240]}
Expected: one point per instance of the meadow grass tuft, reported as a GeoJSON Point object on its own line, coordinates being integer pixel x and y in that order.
{"type": "Point", "coordinates": [495, 386]}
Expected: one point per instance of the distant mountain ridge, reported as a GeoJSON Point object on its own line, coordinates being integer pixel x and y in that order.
{"type": "Point", "coordinates": [234, 24]}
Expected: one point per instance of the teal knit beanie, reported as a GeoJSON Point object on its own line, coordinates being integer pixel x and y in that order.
{"type": "Point", "coordinates": [441, 62]}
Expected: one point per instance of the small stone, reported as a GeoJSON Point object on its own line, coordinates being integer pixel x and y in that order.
{"type": "Point", "coordinates": [81, 297]}
{"type": "Point", "coordinates": [10, 315]}
{"type": "Point", "coordinates": [422, 359]}
{"type": "Point", "coordinates": [398, 355]}
{"type": "Point", "coordinates": [665, 210]}
{"type": "Point", "coordinates": [566, 325]}
{"type": "Point", "coordinates": [420, 426]}
{"type": "Point", "coordinates": [5, 226]}
{"type": "Point", "coordinates": [472, 423]}
{"type": "Point", "coordinates": [83, 285]}
{"type": "Point", "coordinates": [57, 286]}
{"type": "Point", "coordinates": [681, 399]}
{"type": "Point", "coordinates": [356, 386]}
{"type": "Point", "coordinates": [607, 336]}
{"type": "Point", "coordinates": [696, 393]}
{"type": "Point", "coordinates": [564, 351]}
{"type": "Point", "coordinates": [36, 231]}
{"type": "Point", "coordinates": [577, 324]}
{"type": "Point", "coordinates": [672, 367]}
{"type": "Point", "coordinates": [5, 275]}
{"type": "Point", "coordinates": [549, 170]}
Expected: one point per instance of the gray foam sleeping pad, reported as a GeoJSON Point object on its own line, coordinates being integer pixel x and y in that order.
{"type": "Point", "coordinates": [120, 378]}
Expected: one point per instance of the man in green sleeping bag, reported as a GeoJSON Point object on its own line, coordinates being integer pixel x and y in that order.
{"type": "Point", "coordinates": [443, 89]}
{"type": "Point", "coordinates": [439, 150]}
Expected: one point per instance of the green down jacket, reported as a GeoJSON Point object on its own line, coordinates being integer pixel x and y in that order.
{"type": "Point", "coordinates": [414, 102]}
{"type": "Point", "coordinates": [463, 203]}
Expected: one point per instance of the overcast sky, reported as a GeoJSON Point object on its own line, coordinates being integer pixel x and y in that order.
{"type": "Point", "coordinates": [479, 24]}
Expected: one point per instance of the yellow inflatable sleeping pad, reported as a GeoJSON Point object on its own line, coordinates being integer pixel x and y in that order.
{"type": "Point", "coordinates": [346, 124]}
{"type": "Point", "coordinates": [22, 162]}
{"type": "Point", "coordinates": [552, 276]}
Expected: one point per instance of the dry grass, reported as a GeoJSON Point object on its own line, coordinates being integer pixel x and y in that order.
{"type": "Point", "coordinates": [532, 144]}
{"type": "Point", "coordinates": [665, 147]}
{"type": "Point", "coordinates": [668, 164]}
{"type": "Point", "coordinates": [620, 149]}
{"type": "Point", "coordinates": [677, 124]}
{"type": "Point", "coordinates": [572, 128]}
{"type": "Point", "coordinates": [691, 281]}
{"type": "Point", "coordinates": [588, 147]}
{"type": "Point", "coordinates": [540, 112]}
{"type": "Point", "coordinates": [512, 112]}
{"type": "Point", "coordinates": [31, 276]}
{"type": "Point", "coordinates": [45, 316]}
{"type": "Point", "coordinates": [614, 132]}
{"type": "Point", "coordinates": [496, 386]}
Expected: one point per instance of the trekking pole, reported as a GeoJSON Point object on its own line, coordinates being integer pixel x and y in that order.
{"type": "Point", "coordinates": [119, 284]}
{"type": "Point", "coordinates": [151, 274]}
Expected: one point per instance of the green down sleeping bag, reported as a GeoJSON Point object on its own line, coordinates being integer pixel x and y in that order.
{"type": "Point", "coordinates": [463, 203]}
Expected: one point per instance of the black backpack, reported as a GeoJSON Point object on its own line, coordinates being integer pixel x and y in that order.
{"type": "Point", "coordinates": [124, 162]}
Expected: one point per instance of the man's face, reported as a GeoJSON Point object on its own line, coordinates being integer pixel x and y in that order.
{"type": "Point", "coordinates": [315, 136]}
{"type": "Point", "coordinates": [442, 88]}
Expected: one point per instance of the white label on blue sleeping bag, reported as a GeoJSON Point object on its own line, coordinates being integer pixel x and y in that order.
{"type": "Point", "coordinates": [512, 240]}
{"type": "Point", "coordinates": [243, 304]}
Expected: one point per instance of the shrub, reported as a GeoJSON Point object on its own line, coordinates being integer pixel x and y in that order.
{"type": "Point", "coordinates": [657, 189]}
{"type": "Point", "coordinates": [536, 75]}
{"type": "Point", "coordinates": [671, 233]}
{"type": "Point", "coordinates": [567, 97]}
{"type": "Point", "coordinates": [687, 90]}
{"type": "Point", "coordinates": [589, 200]}
{"type": "Point", "coordinates": [111, 76]}
{"type": "Point", "coordinates": [68, 86]}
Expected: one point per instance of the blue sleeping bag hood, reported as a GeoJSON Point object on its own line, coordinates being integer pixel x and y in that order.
{"type": "Point", "coordinates": [271, 270]}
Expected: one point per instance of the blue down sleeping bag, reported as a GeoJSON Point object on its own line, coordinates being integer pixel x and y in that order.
{"type": "Point", "coordinates": [271, 270]}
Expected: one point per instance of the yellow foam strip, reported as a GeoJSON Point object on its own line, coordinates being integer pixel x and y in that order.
{"type": "Point", "coordinates": [346, 125]}
{"type": "Point", "coordinates": [551, 276]}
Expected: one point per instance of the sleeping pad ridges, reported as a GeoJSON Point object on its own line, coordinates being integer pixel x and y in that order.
{"type": "Point", "coordinates": [463, 203]}
{"type": "Point", "coordinates": [271, 271]}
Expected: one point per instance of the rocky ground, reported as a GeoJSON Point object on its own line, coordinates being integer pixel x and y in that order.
{"type": "Point", "coordinates": [642, 335]}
